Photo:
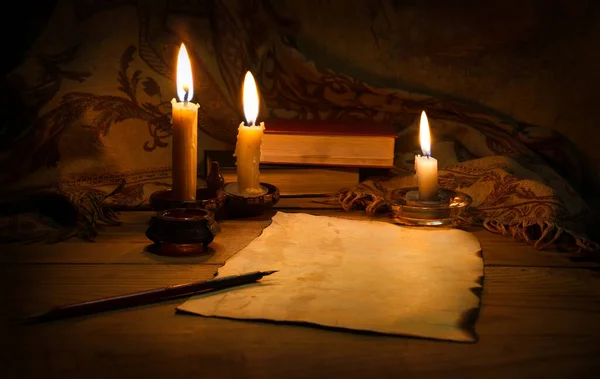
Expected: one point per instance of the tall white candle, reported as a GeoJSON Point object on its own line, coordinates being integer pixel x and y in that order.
{"type": "Point", "coordinates": [249, 139]}
{"type": "Point", "coordinates": [426, 165]}
{"type": "Point", "coordinates": [185, 132]}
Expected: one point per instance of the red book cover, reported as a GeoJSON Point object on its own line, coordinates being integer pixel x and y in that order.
{"type": "Point", "coordinates": [330, 127]}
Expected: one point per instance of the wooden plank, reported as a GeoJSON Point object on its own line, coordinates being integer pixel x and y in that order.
{"type": "Point", "coordinates": [127, 244]}
{"type": "Point", "coordinates": [522, 288]}
{"type": "Point", "coordinates": [160, 345]}
{"type": "Point", "coordinates": [519, 287]}
{"type": "Point", "coordinates": [33, 288]}
{"type": "Point", "coordinates": [534, 322]}
{"type": "Point", "coordinates": [499, 250]}
{"type": "Point", "coordinates": [234, 236]}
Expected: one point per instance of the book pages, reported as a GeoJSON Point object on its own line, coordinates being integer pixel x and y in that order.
{"type": "Point", "coordinates": [359, 275]}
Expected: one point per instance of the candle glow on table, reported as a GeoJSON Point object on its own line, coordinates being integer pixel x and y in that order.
{"type": "Point", "coordinates": [249, 139]}
{"type": "Point", "coordinates": [425, 165]}
{"type": "Point", "coordinates": [185, 132]}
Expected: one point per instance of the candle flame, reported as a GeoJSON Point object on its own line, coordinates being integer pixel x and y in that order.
{"type": "Point", "coordinates": [185, 81]}
{"type": "Point", "coordinates": [424, 135]}
{"type": "Point", "coordinates": [250, 97]}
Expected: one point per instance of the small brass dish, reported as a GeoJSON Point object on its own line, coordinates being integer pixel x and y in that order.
{"type": "Point", "coordinates": [192, 229]}
{"type": "Point", "coordinates": [248, 206]}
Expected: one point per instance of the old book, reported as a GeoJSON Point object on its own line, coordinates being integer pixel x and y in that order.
{"type": "Point", "coordinates": [292, 180]}
{"type": "Point", "coordinates": [333, 143]}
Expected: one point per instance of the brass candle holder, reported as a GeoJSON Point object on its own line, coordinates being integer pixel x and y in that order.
{"type": "Point", "coordinates": [407, 209]}
{"type": "Point", "coordinates": [186, 227]}
{"type": "Point", "coordinates": [239, 205]}
{"type": "Point", "coordinates": [212, 197]}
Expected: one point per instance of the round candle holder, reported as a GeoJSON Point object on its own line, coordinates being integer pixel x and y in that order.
{"type": "Point", "coordinates": [247, 206]}
{"type": "Point", "coordinates": [182, 231]}
{"type": "Point", "coordinates": [407, 209]}
{"type": "Point", "coordinates": [206, 198]}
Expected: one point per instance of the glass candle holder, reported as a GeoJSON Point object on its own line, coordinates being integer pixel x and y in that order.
{"type": "Point", "coordinates": [407, 209]}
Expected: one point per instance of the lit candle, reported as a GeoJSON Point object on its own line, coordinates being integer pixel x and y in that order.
{"type": "Point", "coordinates": [184, 132]}
{"type": "Point", "coordinates": [249, 139]}
{"type": "Point", "coordinates": [425, 165]}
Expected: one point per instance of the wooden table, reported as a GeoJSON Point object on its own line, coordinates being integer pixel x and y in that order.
{"type": "Point", "coordinates": [540, 317]}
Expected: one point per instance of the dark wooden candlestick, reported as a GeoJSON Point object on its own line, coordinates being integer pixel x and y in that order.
{"type": "Point", "coordinates": [214, 180]}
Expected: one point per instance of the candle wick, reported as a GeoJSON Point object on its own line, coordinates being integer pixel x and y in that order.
{"type": "Point", "coordinates": [187, 93]}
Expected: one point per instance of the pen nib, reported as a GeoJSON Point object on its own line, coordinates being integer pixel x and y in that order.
{"type": "Point", "coordinates": [265, 273]}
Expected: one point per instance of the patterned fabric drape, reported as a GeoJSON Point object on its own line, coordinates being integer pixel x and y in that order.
{"type": "Point", "coordinates": [96, 131]}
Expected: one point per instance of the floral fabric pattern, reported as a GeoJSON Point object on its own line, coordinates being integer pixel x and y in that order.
{"type": "Point", "coordinates": [95, 129]}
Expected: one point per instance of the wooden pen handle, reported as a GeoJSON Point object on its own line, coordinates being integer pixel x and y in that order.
{"type": "Point", "coordinates": [147, 297]}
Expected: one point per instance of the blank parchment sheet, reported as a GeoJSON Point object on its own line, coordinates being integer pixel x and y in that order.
{"type": "Point", "coordinates": [359, 275]}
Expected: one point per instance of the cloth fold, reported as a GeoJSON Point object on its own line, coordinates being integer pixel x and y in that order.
{"type": "Point", "coordinates": [53, 215]}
